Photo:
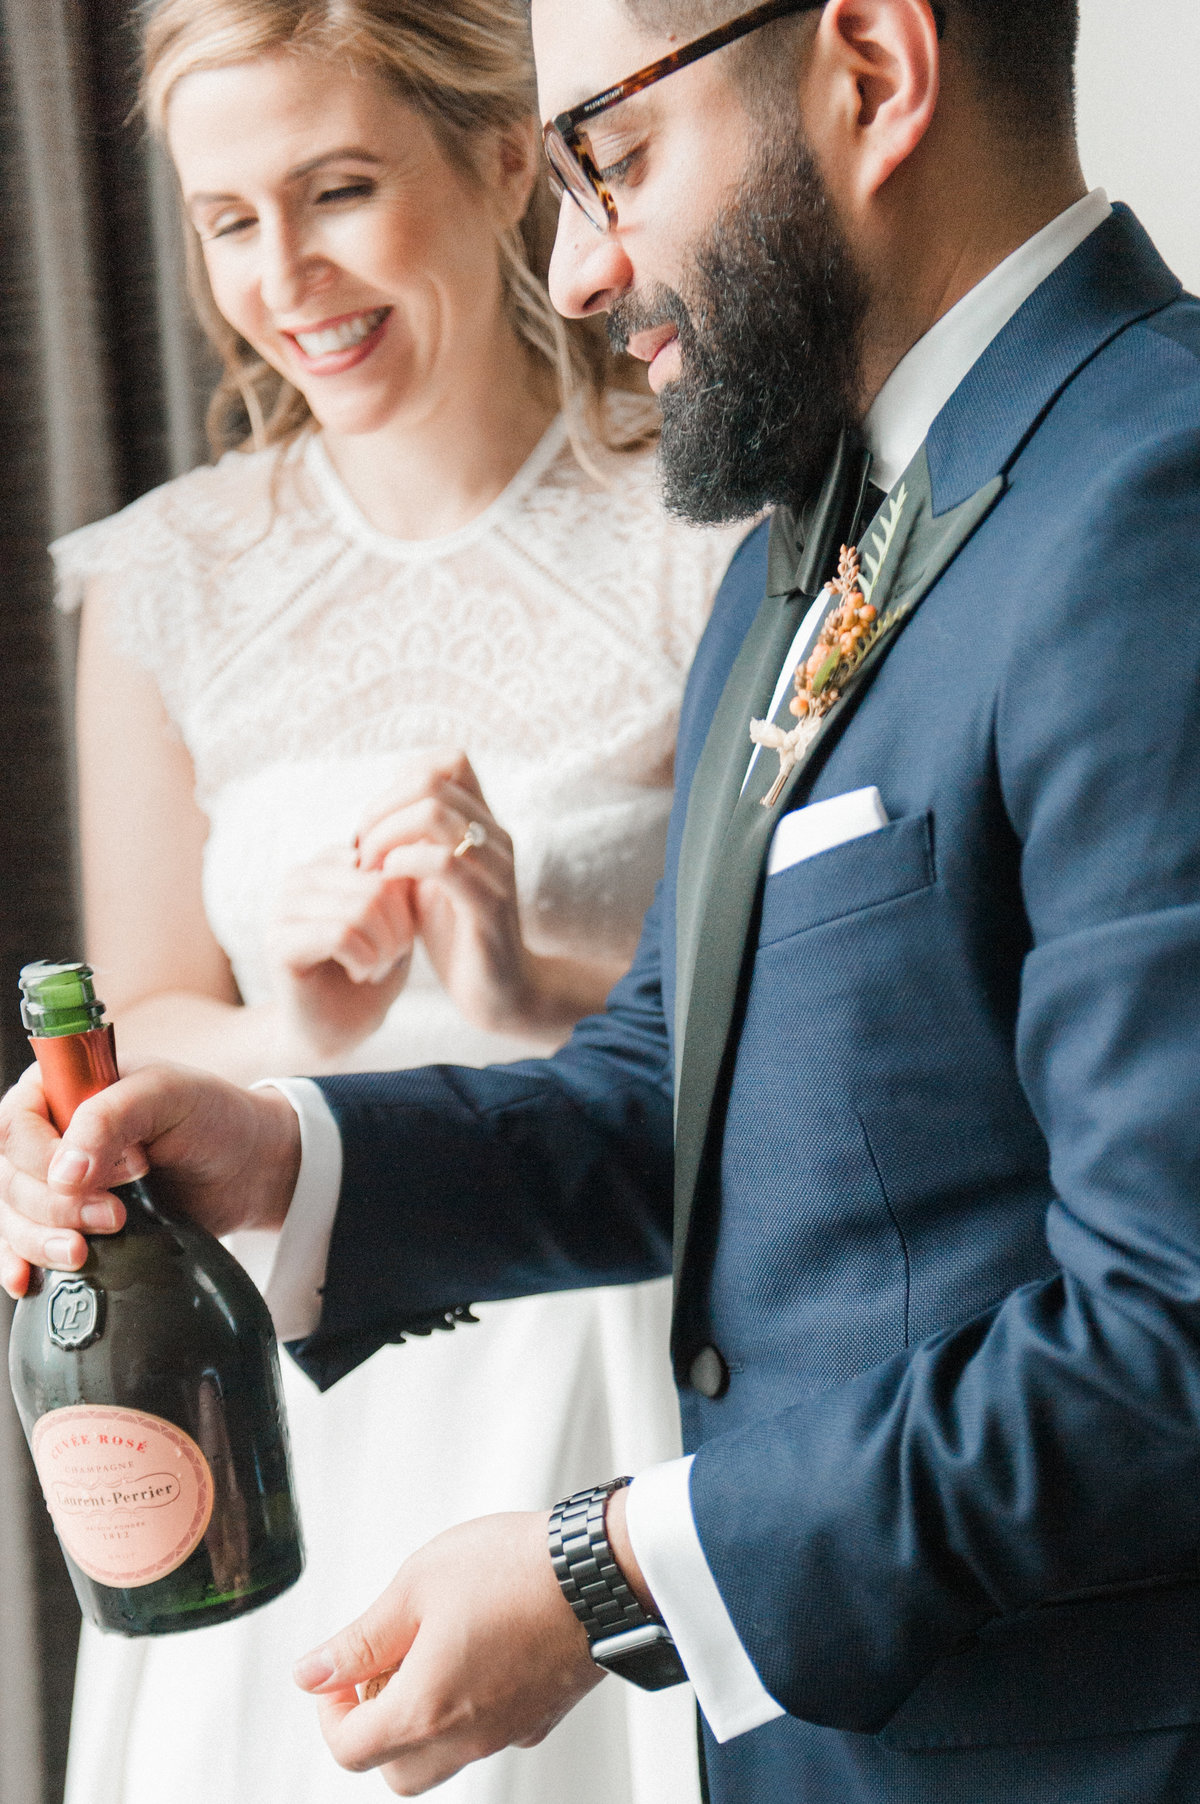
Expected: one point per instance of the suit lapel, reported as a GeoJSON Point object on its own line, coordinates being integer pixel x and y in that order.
{"type": "Point", "coordinates": [725, 862]}
{"type": "Point", "coordinates": [718, 781]}
{"type": "Point", "coordinates": [719, 775]}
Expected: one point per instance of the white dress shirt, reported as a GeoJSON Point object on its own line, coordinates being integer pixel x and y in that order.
{"type": "Point", "coordinates": [661, 1525]}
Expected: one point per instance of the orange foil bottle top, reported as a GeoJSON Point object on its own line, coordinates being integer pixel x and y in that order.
{"type": "Point", "coordinates": [74, 1047]}
{"type": "Point", "coordinates": [74, 1067]}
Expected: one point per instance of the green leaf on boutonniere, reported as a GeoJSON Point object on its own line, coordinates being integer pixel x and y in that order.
{"type": "Point", "coordinates": [881, 541]}
{"type": "Point", "coordinates": [825, 671]}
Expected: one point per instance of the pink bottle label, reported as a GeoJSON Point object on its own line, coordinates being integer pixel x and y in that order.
{"type": "Point", "coordinates": [130, 1494]}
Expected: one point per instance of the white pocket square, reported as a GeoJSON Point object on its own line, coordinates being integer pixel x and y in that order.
{"type": "Point", "coordinates": [823, 825]}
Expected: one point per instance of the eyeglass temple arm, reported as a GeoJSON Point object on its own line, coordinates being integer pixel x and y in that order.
{"type": "Point", "coordinates": [699, 47]}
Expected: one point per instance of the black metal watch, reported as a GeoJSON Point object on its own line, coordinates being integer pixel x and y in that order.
{"type": "Point", "coordinates": [623, 1637]}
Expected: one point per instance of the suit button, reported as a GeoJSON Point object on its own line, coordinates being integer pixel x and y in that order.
{"type": "Point", "coordinates": [708, 1373]}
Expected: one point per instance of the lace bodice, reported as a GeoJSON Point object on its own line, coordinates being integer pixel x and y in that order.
{"type": "Point", "coordinates": [302, 655]}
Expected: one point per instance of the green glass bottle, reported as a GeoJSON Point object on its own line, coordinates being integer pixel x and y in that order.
{"type": "Point", "coordinates": [148, 1386]}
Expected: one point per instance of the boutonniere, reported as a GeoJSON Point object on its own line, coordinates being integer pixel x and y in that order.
{"type": "Point", "coordinates": [851, 627]}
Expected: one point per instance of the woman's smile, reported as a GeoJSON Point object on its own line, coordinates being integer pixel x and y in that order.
{"type": "Point", "coordinates": [339, 344]}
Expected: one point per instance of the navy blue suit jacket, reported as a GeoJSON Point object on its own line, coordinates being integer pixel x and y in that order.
{"type": "Point", "coordinates": [948, 1237]}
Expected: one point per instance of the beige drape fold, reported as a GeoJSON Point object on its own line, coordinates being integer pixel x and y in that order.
{"type": "Point", "coordinates": [49, 283]}
{"type": "Point", "coordinates": [100, 396]}
{"type": "Point", "coordinates": [20, 1687]}
{"type": "Point", "coordinates": [46, 80]}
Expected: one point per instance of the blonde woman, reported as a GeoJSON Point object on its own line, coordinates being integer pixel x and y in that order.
{"type": "Point", "coordinates": [419, 605]}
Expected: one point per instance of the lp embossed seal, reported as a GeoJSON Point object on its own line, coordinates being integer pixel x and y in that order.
{"type": "Point", "coordinates": [75, 1314]}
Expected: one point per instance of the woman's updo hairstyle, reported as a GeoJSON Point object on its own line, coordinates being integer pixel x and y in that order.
{"type": "Point", "coordinates": [467, 67]}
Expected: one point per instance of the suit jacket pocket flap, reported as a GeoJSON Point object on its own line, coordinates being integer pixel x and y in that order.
{"type": "Point", "coordinates": [877, 867]}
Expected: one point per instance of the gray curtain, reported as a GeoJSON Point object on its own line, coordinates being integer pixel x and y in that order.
{"type": "Point", "coordinates": [101, 396]}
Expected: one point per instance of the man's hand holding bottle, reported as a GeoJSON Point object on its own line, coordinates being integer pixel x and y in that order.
{"type": "Point", "coordinates": [225, 1156]}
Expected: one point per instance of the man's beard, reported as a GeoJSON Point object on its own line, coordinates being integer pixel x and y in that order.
{"type": "Point", "coordinates": [769, 337]}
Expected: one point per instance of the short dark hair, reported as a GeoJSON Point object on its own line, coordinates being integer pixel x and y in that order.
{"type": "Point", "coordinates": [1021, 53]}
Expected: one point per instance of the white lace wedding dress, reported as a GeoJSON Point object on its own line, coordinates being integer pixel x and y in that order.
{"type": "Point", "coordinates": [301, 654]}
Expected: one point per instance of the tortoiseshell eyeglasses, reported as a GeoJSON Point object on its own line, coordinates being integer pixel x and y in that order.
{"type": "Point", "coordinates": [583, 165]}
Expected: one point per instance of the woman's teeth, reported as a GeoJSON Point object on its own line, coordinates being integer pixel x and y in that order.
{"type": "Point", "coordinates": [342, 337]}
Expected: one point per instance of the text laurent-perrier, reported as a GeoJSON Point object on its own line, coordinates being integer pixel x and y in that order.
{"type": "Point", "coordinates": [148, 1386]}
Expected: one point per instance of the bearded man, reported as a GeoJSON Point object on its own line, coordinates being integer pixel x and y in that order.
{"type": "Point", "coordinates": [919, 986]}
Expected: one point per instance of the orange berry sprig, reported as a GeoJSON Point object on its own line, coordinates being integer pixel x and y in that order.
{"type": "Point", "coordinates": [845, 634]}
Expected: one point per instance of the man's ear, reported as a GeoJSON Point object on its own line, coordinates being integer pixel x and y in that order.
{"type": "Point", "coordinates": [870, 91]}
{"type": "Point", "coordinates": [511, 167]}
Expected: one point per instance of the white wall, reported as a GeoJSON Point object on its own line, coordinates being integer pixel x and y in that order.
{"type": "Point", "coordinates": [1139, 117]}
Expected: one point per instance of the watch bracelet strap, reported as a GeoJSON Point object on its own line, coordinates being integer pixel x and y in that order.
{"type": "Point", "coordinates": [591, 1581]}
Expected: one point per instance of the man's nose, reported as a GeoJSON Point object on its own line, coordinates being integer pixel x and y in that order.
{"type": "Point", "coordinates": [589, 270]}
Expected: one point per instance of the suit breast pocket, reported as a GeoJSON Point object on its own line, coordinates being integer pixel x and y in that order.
{"type": "Point", "coordinates": [896, 860]}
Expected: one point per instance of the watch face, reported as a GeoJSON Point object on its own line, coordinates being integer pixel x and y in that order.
{"type": "Point", "coordinates": [647, 1657]}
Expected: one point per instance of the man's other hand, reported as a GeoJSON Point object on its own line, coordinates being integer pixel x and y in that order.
{"type": "Point", "coordinates": [227, 1157]}
{"type": "Point", "coordinates": [487, 1651]}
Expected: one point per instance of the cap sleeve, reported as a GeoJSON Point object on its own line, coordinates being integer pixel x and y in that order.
{"type": "Point", "coordinates": [159, 562]}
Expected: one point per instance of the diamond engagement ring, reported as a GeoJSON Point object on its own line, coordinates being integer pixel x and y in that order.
{"type": "Point", "coordinates": [475, 835]}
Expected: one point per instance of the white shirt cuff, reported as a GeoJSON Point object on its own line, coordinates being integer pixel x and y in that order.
{"type": "Point", "coordinates": [662, 1531]}
{"type": "Point", "coordinates": [297, 1276]}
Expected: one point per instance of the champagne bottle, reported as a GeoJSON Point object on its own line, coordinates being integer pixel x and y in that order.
{"type": "Point", "coordinates": [148, 1386]}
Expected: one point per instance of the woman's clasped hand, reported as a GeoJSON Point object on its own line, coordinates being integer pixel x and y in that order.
{"type": "Point", "coordinates": [342, 935]}
{"type": "Point", "coordinates": [430, 860]}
